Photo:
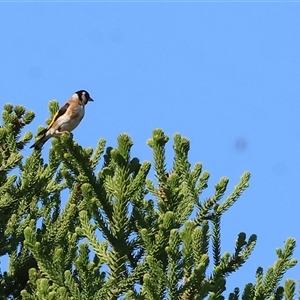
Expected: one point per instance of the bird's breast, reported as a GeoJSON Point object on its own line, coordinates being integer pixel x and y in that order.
{"type": "Point", "coordinates": [72, 121]}
{"type": "Point", "coordinates": [78, 112]}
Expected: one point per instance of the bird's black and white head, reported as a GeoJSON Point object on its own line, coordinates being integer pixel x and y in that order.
{"type": "Point", "coordinates": [83, 96]}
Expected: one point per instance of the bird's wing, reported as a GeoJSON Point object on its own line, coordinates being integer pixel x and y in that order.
{"type": "Point", "coordinates": [59, 113]}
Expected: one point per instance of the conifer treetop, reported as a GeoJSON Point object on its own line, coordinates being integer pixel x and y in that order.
{"type": "Point", "coordinates": [95, 224]}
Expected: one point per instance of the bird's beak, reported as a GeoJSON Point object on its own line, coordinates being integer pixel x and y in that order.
{"type": "Point", "coordinates": [91, 99]}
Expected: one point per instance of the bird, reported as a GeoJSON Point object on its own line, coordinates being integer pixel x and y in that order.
{"type": "Point", "coordinates": [66, 119]}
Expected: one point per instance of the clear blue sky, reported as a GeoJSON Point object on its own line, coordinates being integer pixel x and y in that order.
{"type": "Point", "coordinates": [225, 75]}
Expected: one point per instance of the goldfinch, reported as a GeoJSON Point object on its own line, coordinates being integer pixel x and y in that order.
{"type": "Point", "coordinates": [66, 119]}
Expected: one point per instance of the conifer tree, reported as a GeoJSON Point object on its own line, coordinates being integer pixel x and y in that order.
{"type": "Point", "coordinates": [93, 224]}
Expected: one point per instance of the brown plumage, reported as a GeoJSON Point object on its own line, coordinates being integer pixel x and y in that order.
{"type": "Point", "coordinates": [66, 119]}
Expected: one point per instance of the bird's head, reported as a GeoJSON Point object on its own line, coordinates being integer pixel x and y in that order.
{"type": "Point", "coordinates": [83, 96]}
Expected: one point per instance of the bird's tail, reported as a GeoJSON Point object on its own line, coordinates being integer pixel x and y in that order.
{"type": "Point", "coordinates": [38, 145]}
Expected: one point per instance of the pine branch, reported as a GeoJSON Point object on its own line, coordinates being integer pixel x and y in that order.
{"type": "Point", "coordinates": [120, 235]}
{"type": "Point", "coordinates": [237, 192]}
{"type": "Point", "coordinates": [216, 240]}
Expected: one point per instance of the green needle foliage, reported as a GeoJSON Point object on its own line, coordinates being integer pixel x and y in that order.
{"type": "Point", "coordinates": [92, 224]}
